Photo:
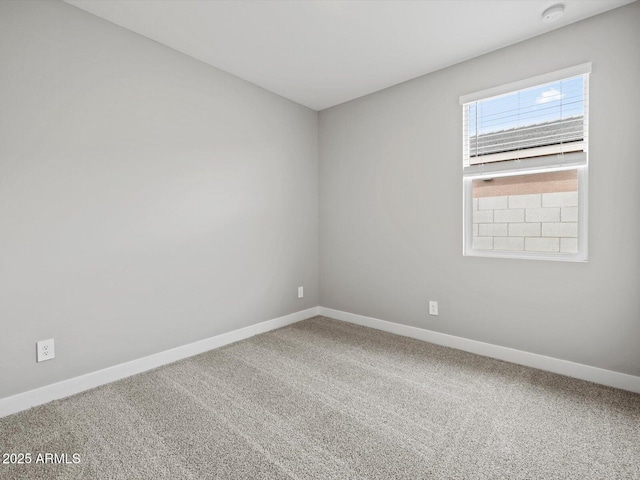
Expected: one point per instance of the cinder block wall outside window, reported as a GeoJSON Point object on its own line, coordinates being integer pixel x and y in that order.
{"type": "Point", "coordinates": [530, 213]}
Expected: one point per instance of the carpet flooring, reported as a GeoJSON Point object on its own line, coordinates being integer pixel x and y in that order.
{"type": "Point", "coordinates": [323, 399]}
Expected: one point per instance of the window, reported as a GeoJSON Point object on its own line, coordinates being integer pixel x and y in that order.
{"type": "Point", "coordinates": [525, 168]}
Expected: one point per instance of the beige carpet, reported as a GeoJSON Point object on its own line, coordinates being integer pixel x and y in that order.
{"type": "Point", "coordinates": [323, 399]}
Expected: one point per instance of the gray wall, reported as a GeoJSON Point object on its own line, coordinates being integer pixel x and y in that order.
{"type": "Point", "coordinates": [146, 200]}
{"type": "Point", "coordinates": [391, 207]}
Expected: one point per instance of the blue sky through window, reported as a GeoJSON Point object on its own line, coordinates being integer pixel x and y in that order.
{"type": "Point", "coordinates": [545, 103]}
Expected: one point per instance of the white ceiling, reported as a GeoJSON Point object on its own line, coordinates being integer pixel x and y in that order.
{"type": "Point", "coordinates": [321, 53]}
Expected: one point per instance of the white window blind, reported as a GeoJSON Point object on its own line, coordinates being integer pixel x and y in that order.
{"type": "Point", "coordinates": [547, 119]}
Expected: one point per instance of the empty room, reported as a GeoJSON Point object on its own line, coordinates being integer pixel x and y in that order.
{"type": "Point", "coordinates": [319, 239]}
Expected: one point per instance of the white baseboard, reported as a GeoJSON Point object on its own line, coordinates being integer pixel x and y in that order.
{"type": "Point", "coordinates": [550, 364]}
{"type": "Point", "coordinates": [38, 396]}
{"type": "Point", "coordinates": [23, 401]}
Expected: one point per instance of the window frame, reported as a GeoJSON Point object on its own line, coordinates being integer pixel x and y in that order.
{"type": "Point", "coordinates": [528, 165]}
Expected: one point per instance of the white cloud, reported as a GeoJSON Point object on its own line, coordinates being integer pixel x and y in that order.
{"type": "Point", "coordinates": [552, 95]}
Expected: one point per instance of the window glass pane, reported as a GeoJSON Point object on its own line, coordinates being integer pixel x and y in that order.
{"type": "Point", "coordinates": [550, 114]}
{"type": "Point", "coordinates": [527, 213]}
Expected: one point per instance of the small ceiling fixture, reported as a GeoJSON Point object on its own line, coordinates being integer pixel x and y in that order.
{"type": "Point", "coordinates": [553, 13]}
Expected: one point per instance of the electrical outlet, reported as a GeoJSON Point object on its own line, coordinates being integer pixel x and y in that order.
{"type": "Point", "coordinates": [433, 307]}
{"type": "Point", "coordinates": [45, 350]}
{"type": "Point", "coordinates": [300, 292]}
